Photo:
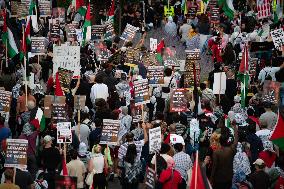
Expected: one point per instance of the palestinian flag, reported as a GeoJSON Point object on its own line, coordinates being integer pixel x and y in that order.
{"type": "Point", "coordinates": [28, 30]}
{"type": "Point", "coordinates": [244, 76]}
{"type": "Point", "coordinates": [277, 136]}
{"type": "Point", "coordinates": [87, 25]}
{"type": "Point", "coordinates": [77, 4]}
{"type": "Point", "coordinates": [82, 11]}
{"type": "Point", "coordinates": [111, 12]}
{"type": "Point", "coordinates": [159, 50]}
{"type": "Point", "coordinates": [9, 38]}
{"type": "Point", "coordinates": [58, 90]}
{"type": "Point", "coordinates": [228, 8]}
{"type": "Point", "coordinates": [198, 178]}
{"type": "Point", "coordinates": [32, 7]}
{"type": "Point", "coordinates": [38, 116]}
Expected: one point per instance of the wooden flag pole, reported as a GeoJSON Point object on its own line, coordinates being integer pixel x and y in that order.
{"type": "Point", "coordinates": [14, 175]}
{"type": "Point", "coordinates": [79, 117]}
{"type": "Point", "coordinates": [196, 166]}
{"type": "Point", "coordinates": [220, 87]}
{"type": "Point", "coordinates": [64, 151]}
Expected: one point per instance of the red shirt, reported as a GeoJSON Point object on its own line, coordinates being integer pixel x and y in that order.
{"type": "Point", "coordinates": [171, 183]}
{"type": "Point", "coordinates": [216, 52]}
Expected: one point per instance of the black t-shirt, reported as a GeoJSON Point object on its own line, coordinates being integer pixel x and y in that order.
{"type": "Point", "coordinates": [50, 158]}
{"type": "Point", "coordinates": [23, 179]}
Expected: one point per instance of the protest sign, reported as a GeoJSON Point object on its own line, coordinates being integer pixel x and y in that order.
{"type": "Point", "coordinates": [191, 67]}
{"type": "Point", "coordinates": [278, 38]}
{"type": "Point", "coordinates": [136, 112]}
{"type": "Point", "coordinates": [141, 92]}
{"type": "Point", "coordinates": [261, 46]}
{"type": "Point", "coordinates": [54, 28]}
{"type": "Point", "coordinates": [14, 8]}
{"type": "Point", "coordinates": [97, 32]}
{"type": "Point", "coordinates": [71, 32]}
{"type": "Point", "coordinates": [192, 12]}
{"type": "Point", "coordinates": [102, 53]}
{"type": "Point", "coordinates": [79, 34]}
{"type": "Point", "coordinates": [155, 140]}
{"type": "Point", "coordinates": [219, 85]}
{"type": "Point", "coordinates": [263, 8]}
{"type": "Point", "coordinates": [110, 131]}
{"type": "Point", "coordinates": [63, 182]}
{"type": "Point", "coordinates": [155, 75]}
{"type": "Point", "coordinates": [23, 8]}
{"type": "Point", "coordinates": [214, 15]}
{"type": "Point", "coordinates": [193, 54]}
{"type": "Point", "coordinates": [178, 102]}
{"type": "Point", "coordinates": [252, 66]}
{"type": "Point", "coordinates": [67, 57]}
{"type": "Point", "coordinates": [5, 99]}
{"type": "Point", "coordinates": [169, 11]}
{"type": "Point", "coordinates": [16, 154]}
{"type": "Point", "coordinates": [169, 57]}
{"type": "Point", "coordinates": [38, 46]}
{"type": "Point", "coordinates": [129, 32]}
{"type": "Point", "coordinates": [64, 134]}
{"type": "Point", "coordinates": [65, 77]}
{"type": "Point", "coordinates": [44, 8]}
{"type": "Point", "coordinates": [153, 44]}
{"type": "Point", "coordinates": [49, 100]}
{"type": "Point", "coordinates": [181, 64]}
{"type": "Point", "coordinates": [79, 102]}
{"type": "Point", "coordinates": [59, 13]}
{"type": "Point", "coordinates": [271, 91]}
{"type": "Point", "coordinates": [59, 113]}
{"type": "Point", "coordinates": [109, 33]}
{"type": "Point", "coordinates": [150, 178]}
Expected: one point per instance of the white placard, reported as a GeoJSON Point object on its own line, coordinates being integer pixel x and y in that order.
{"type": "Point", "coordinates": [155, 139]}
{"type": "Point", "coordinates": [67, 57]}
{"type": "Point", "coordinates": [219, 86]}
{"type": "Point", "coordinates": [278, 38]}
{"type": "Point", "coordinates": [64, 134]}
{"type": "Point", "coordinates": [153, 44]}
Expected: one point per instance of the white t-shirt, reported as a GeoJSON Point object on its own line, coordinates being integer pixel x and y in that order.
{"type": "Point", "coordinates": [266, 72]}
{"type": "Point", "coordinates": [84, 133]}
{"type": "Point", "coordinates": [99, 90]}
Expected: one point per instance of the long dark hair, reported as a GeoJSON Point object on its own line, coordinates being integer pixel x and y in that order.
{"type": "Point", "coordinates": [131, 154]}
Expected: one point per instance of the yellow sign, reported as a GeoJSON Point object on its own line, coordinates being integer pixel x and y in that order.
{"type": "Point", "coordinates": [169, 11]}
{"type": "Point", "coordinates": [200, 9]}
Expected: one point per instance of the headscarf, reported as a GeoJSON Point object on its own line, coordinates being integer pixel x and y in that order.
{"type": "Point", "coordinates": [171, 27]}
{"type": "Point", "coordinates": [241, 162]}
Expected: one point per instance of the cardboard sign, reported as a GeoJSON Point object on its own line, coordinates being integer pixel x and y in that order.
{"type": "Point", "coordinates": [191, 67]}
{"type": "Point", "coordinates": [155, 140]}
{"type": "Point", "coordinates": [65, 77]}
{"type": "Point", "coordinates": [141, 91]}
{"type": "Point", "coordinates": [109, 33]}
{"type": "Point", "coordinates": [252, 66]}
{"type": "Point", "coordinates": [16, 154]}
{"type": "Point", "coordinates": [219, 85]}
{"type": "Point", "coordinates": [155, 75]}
{"type": "Point", "coordinates": [129, 32]}
{"type": "Point", "coordinates": [59, 113]}
{"type": "Point", "coordinates": [71, 32]}
{"type": "Point", "coordinates": [79, 102]}
{"type": "Point", "coordinates": [263, 8]}
{"type": "Point", "coordinates": [63, 182]}
{"type": "Point", "coordinates": [192, 12]}
{"type": "Point", "coordinates": [110, 131]}
{"type": "Point", "coordinates": [23, 8]}
{"type": "Point", "coordinates": [54, 28]}
{"type": "Point", "coordinates": [67, 57]}
{"type": "Point", "coordinates": [214, 15]}
{"type": "Point", "coordinates": [271, 91]}
{"type": "Point", "coordinates": [97, 32]}
{"type": "Point", "coordinates": [193, 54]}
{"type": "Point", "coordinates": [169, 57]}
{"type": "Point", "coordinates": [64, 134]}
{"type": "Point", "coordinates": [153, 44]}
{"type": "Point", "coordinates": [49, 100]}
{"type": "Point", "coordinates": [44, 8]}
{"type": "Point", "coordinates": [150, 178]}
{"type": "Point", "coordinates": [5, 100]}
{"type": "Point", "coordinates": [278, 38]}
{"type": "Point", "coordinates": [59, 13]}
{"type": "Point", "coordinates": [38, 46]}
{"type": "Point", "coordinates": [136, 112]}
{"type": "Point", "coordinates": [178, 102]}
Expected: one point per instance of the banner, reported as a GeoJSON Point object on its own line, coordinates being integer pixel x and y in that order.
{"type": "Point", "coordinates": [153, 44]}
{"type": "Point", "coordinates": [67, 57]}
{"type": "Point", "coordinates": [263, 9]}
{"type": "Point", "coordinates": [219, 85]}
{"type": "Point", "coordinates": [150, 178]}
{"type": "Point", "coordinates": [97, 32]}
{"type": "Point", "coordinates": [38, 46]}
{"type": "Point", "coordinates": [63, 182]}
{"type": "Point", "coordinates": [141, 91]}
{"type": "Point", "coordinates": [178, 102]}
{"type": "Point", "coordinates": [44, 8]}
{"type": "Point", "coordinates": [110, 131]}
{"type": "Point", "coordinates": [5, 100]}
{"type": "Point", "coordinates": [64, 134]}
{"type": "Point", "coordinates": [129, 32]}
{"type": "Point", "coordinates": [155, 75]}
{"type": "Point", "coordinates": [79, 102]}
{"type": "Point", "coordinates": [16, 154]}
{"type": "Point", "coordinates": [155, 140]}
{"type": "Point", "coordinates": [278, 38]}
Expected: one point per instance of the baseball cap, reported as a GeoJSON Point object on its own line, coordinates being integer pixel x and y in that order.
{"type": "Point", "coordinates": [175, 139]}
{"type": "Point", "coordinates": [259, 162]}
{"type": "Point", "coordinates": [48, 138]}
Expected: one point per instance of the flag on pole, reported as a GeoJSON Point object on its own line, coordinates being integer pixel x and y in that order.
{"type": "Point", "coordinates": [8, 38]}
{"type": "Point", "coordinates": [77, 4]}
{"type": "Point", "coordinates": [5, 28]}
{"type": "Point", "coordinates": [64, 167]}
{"type": "Point", "coordinates": [228, 8]}
{"type": "Point", "coordinates": [184, 7]}
{"type": "Point", "coordinates": [41, 119]}
{"type": "Point", "coordinates": [277, 136]}
{"type": "Point", "coordinates": [111, 12]}
{"type": "Point", "coordinates": [87, 24]}
{"type": "Point", "coordinates": [28, 30]}
{"type": "Point", "coordinates": [244, 66]}
{"type": "Point", "coordinates": [244, 76]}
{"type": "Point", "coordinates": [160, 47]}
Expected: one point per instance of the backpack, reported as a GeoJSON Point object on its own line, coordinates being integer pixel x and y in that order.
{"type": "Point", "coordinates": [161, 164]}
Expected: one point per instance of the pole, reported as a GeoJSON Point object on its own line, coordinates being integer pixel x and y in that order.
{"type": "Point", "coordinates": [25, 69]}
{"type": "Point", "coordinates": [196, 166]}
{"type": "Point", "coordinates": [6, 53]}
{"type": "Point", "coordinates": [14, 175]}
{"type": "Point", "coordinates": [38, 59]}
{"type": "Point", "coordinates": [220, 86]}
{"type": "Point", "coordinates": [142, 113]}
{"type": "Point", "coordinates": [79, 116]}
{"type": "Point", "coordinates": [64, 151]}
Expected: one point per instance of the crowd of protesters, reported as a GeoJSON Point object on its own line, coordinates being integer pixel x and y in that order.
{"type": "Point", "coordinates": [232, 142]}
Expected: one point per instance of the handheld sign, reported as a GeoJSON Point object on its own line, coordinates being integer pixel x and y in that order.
{"type": "Point", "coordinates": [16, 154]}
{"type": "Point", "coordinates": [97, 32]}
{"type": "Point", "coordinates": [219, 85]}
{"type": "Point", "coordinates": [59, 113]}
{"type": "Point", "coordinates": [109, 33]}
{"type": "Point", "coordinates": [71, 32]}
{"type": "Point", "coordinates": [155, 140]}
{"type": "Point", "coordinates": [215, 15]}
{"type": "Point", "coordinates": [263, 8]}
{"type": "Point", "coordinates": [129, 32]}
{"type": "Point", "coordinates": [54, 28]}
{"type": "Point", "coordinates": [5, 99]}
{"type": "Point", "coordinates": [271, 91]}
{"type": "Point", "coordinates": [64, 134]}
{"type": "Point", "coordinates": [153, 44]}
{"type": "Point", "coordinates": [141, 91]}
{"type": "Point", "coordinates": [38, 46]}
{"type": "Point", "coordinates": [150, 178]}
{"type": "Point", "coordinates": [44, 8]}
{"type": "Point", "coordinates": [110, 131]}
{"type": "Point", "coordinates": [49, 100]}
{"type": "Point", "coordinates": [178, 102]}
{"type": "Point", "coordinates": [65, 77]}
{"type": "Point", "coordinates": [79, 102]}
{"type": "Point", "coordinates": [156, 75]}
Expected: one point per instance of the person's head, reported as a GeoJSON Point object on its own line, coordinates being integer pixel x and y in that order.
{"type": "Point", "coordinates": [9, 174]}
{"type": "Point", "coordinates": [176, 118]}
{"type": "Point", "coordinates": [178, 147]}
{"type": "Point", "coordinates": [98, 123]}
{"type": "Point", "coordinates": [97, 149]}
{"type": "Point", "coordinates": [202, 86]}
{"type": "Point", "coordinates": [252, 127]}
{"type": "Point", "coordinates": [100, 103]}
{"type": "Point", "coordinates": [99, 79]}
{"type": "Point", "coordinates": [168, 72]}
{"type": "Point", "coordinates": [172, 128]}
{"type": "Point", "coordinates": [73, 154]}
{"type": "Point", "coordinates": [47, 140]}
{"type": "Point", "coordinates": [259, 164]}
{"type": "Point", "coordinates": [160, 116]}
{"type": "Point", "coordinates": [225, 136]}
{"type": "Point", "coordinates": [131, 153]}
{"type": "Point", "coordinates": [165, 148]}
{"type": "Point", "coordinates": [129, 137]}
{"type": "Point", "coordinates": [170, 163]}
{"type": "Point", "coordinates": [124, 110]}
{"type": "Point", "coordinates": [267, 105]}
{"type": "Point", "coordinates": [217, 66]}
